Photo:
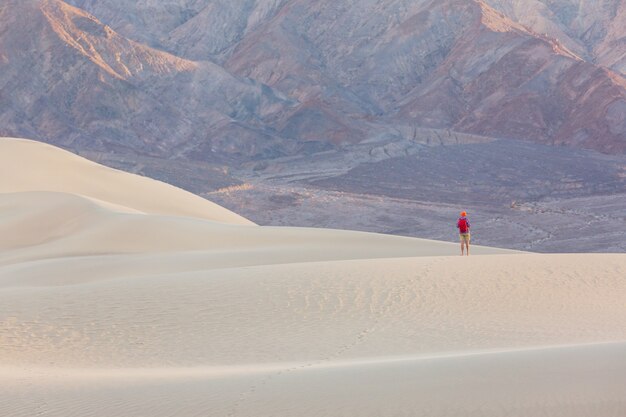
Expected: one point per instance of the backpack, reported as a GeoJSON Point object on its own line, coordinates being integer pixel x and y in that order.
{"type": "Point", "coordinates": [462, 224]}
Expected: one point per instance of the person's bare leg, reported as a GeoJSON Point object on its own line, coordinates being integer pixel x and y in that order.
{"type": "Point", "coordinates": [462, 243]}
{"type": "Point", "coordinates": [467, 246]}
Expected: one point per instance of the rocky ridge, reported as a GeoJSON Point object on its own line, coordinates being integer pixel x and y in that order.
{"type": "Point", "coordinates": [593, 29]}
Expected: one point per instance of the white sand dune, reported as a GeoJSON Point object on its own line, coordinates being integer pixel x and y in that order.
{"type": "Point", "coordinates": [122, 296]}
{"type": "Point", "coordinates": [33, 166]}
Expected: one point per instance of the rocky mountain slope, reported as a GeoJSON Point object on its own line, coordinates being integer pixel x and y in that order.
{"type": "Point", "coordinates": [69, 79]}
{"type": "Point", "coordinates": [438, 64]}
{"type": "Point", "coordinates": [211, 79]}
{"type": "Point", "coordinates": [593, 29]}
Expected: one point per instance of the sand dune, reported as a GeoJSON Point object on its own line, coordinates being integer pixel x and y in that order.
{"type": "Point", "coordinates": [122, 296]}
{"type": "Point", "coordinates": [32, 166]}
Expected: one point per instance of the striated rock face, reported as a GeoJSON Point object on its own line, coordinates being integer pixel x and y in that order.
{"type": "Point", "coordinates": [68, 79]}
{"type": "Point", "coordinates": [146, 21]}
{"type": "Point", "coordinates": [511, 84]}
{"type": "Point", "coordinates": [260, 78]}
{"type": "Point", "coordinates": [195, 29]}
{"type": "Point", "coordinates": [593, 29]}
{"type": "Point", "coordinates": [442, 64]}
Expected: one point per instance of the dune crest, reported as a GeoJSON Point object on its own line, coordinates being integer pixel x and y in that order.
{"type": "Point", "coordinates": [27, 165]}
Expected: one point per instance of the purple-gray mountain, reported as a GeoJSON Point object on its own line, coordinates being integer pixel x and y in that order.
{"type": "Point", "coordinates": [217, 79]}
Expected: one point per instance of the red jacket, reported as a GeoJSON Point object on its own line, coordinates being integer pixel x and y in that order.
{"type": "Point", "coordinates": [463, 225]}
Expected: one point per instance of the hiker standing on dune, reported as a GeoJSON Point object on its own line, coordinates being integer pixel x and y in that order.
{"type": "Point", "coordinates": [463, 225]}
